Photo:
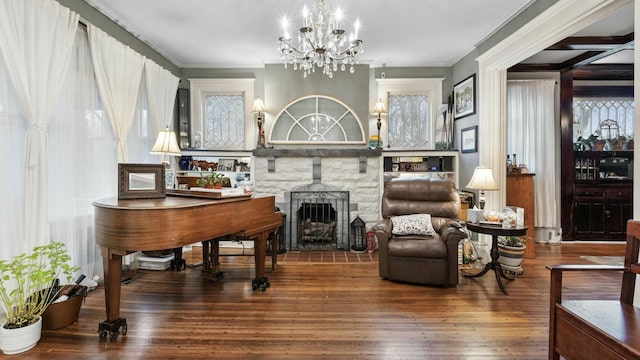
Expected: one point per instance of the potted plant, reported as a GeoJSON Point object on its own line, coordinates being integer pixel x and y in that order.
{"type": "Point", "coordinates": [511, 250]}
{"type": "Point", "coordinates": [27, 287]}
{"type": "Point", "coordinates": [213, 180]}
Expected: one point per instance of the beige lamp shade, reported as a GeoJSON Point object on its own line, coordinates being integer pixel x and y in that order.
{"type": "Point", "coordinates": [482, 179]}
{"type": "Point", "coordinates": [258, 106]}
{"type": "Point", "coordinates": [379, 108]}
{"type": "Point", "coordinates": [166, 144]}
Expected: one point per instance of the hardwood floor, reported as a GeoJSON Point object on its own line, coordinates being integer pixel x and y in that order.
{"type": "Point", "coordinates": [327, 311]}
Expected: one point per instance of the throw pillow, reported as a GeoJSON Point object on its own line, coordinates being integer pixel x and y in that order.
{"type": "Point", "coordinates": [416, 224]}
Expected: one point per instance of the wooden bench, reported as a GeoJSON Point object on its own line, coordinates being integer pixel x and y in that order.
{"type": "Point", "coordinates": [597, 329]}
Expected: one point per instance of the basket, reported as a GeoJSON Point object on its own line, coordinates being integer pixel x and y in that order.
{"type": "Point", "coordinates": [63, 314]}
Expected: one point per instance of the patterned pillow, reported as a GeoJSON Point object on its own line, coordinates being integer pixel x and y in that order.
{"type": "Point", "coordinates": [416, 224]}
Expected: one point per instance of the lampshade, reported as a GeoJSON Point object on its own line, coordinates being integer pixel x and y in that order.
{"type": "Point", "coordinates": [258, 106]}
{"type": "Point", "coordinates": [482, 179]}
{"type": "Point", "coordinates": [166, 143]}
{"type": "Point", "coordinates": [379, 108]}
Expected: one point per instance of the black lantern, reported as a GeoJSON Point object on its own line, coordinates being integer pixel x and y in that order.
{"type": "Point", "coordinates": [359, 235]}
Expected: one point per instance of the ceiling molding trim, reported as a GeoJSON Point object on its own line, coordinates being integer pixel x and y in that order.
{"type": "Point", "coordinates": [555, 24]}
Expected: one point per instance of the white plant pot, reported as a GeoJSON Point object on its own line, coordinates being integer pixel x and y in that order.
{"type": "Point", "coordinates": [16, 341]}
{"type": "Point", "coordinates": [510, 256]}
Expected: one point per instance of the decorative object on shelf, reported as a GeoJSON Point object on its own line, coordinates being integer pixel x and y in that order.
{"type": "Point", "coordinates": [26, 290]}
{"type": "Point", "coordinates": [464, 97]}
{"type": "Point", "coordinates": [166, 144]}
{"type": "Point", "coordinates": [469, 139]}
{"type": "Point", "coordinates": [444, 126]}
{"type": "Point", "coordinates": [482, 180]}
{"type": "Point", "coordinates": [322, 42]}
{"type": "Point", "coordinates": [258, 108]}
{"type": "Point", "coordinates": [226, 165]}
{"type": "Point", "coordinates": [379, 110]}
{"type": "Point", "coordinates": [359, 231]}
{"type": "Point", "coordinates": [170, 178]}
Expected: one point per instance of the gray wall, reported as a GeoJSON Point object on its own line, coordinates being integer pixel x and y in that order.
{"type": "Point", "coordinates": [468, 66]}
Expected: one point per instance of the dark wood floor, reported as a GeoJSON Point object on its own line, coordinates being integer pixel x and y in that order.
{"type": "Point", "coordinates": [327, 311]}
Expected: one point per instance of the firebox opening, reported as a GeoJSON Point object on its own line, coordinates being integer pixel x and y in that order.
{"type": "Point", "coordinates": [317, 223]}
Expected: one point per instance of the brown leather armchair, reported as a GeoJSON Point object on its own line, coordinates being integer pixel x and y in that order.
{"type": "Point", "coordinates": [423, 259]}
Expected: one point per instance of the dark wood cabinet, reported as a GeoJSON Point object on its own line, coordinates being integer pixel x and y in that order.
{"type": "Point", "coordinates": [593, 205]}
{"type": "Point", "coordinates": [602, 198]}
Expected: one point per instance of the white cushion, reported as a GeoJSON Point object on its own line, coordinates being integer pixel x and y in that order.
{"type": "Point", "coordinates": [416, 224]}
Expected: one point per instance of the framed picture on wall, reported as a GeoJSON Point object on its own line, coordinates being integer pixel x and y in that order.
{"type": "Point", "coordinates": [464, 97]}
{"type": "Point", "coordinates": [469, 139]}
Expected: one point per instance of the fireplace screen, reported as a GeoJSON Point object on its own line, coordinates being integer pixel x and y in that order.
{"type": "Point", "coordinates": [319, 220]}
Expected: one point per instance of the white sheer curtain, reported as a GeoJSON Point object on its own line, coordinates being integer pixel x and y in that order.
{"type": "Point", "coordinates": [161, 86]}
{"type": "Point", "coordinates": [13, 128]}
{"type": "Point", "coordinates": [36, 65]}
{"type": "Point", "coordinates": [118, 71]}
{"type": "Point", "coordinates": [531, 134]}
{"type": "Point", "coordinates": [82, 161]}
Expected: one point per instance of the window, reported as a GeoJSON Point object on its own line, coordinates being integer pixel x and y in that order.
{"type": "Point", "coordinates": [411, 105]}
{"type": "Point", "coordinates": [409, 121]}
{"type": "Point", "coordinates": [221, 114]}
{"type": "Point", "coordinates": [317, 119]}
{"type": "Point", "coordinates": [609, 118]}
{"type": "Point", "coordinates": [224, 121]}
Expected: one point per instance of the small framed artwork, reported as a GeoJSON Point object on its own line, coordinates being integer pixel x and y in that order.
{"type": "Point", "coordinates": [227, 165]}
{"type": "Point", "coordinates": [464, 97]}
{"type": "Point", "coordinates": [141, 181]}
{"type": "Point", "coordinates": [170, 177]}
{"type": "Point", "coordinates": [469, 139]}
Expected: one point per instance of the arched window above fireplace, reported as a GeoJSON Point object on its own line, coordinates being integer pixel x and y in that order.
{"type": "Point", "coordinates": [317, 119]}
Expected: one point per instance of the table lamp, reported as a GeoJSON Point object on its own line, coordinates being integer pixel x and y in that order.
{"type": "Point", "coordinates": [166, 144]}
{"type": "Point", "coordinates": [379, 110]}
{"type": "Point", "coordinates": [258, 108]}
{"type": "Point", "coordinates": [482, 180]}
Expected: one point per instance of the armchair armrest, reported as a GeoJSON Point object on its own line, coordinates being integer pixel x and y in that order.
{"type": "Point", "coordinates": [449, 229]}
{"type": "Point", "coordinates": [556, 277]}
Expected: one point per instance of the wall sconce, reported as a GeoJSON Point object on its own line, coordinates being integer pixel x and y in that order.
{"type": "Point", "coordinates": [258, 107]}
{"type": "Point", "coordinates": [379, 110]}
{"type": "Point", "coordinates": [166, 144]}
{"type": "Point", "coordinates": [482, 180]}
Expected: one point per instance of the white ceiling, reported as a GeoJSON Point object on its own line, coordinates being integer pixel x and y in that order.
{"type": "Point", "coordinates": [244, 33]}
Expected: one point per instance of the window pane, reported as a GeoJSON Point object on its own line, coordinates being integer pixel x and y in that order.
{"type": "Point", "coordinates": [224, 121]}
{"type": "Point", "coordinates": [609, 119]}
{"type": "Point", "coordinates": [408, 121]}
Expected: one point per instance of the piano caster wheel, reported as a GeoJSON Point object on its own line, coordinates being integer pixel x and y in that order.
{"type": "Point", "coordinates": [260, 283]}
{"type": "Point", "coordinates": [178, 264]}
{"type": "Point", "coordinates": [112, 329]}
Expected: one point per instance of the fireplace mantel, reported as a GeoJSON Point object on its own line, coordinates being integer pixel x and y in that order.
{"type": "Point", "coordinates": [309, 153]}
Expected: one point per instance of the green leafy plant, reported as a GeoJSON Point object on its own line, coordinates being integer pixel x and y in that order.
{"type": "Point", "coordinates": [212, 179]}
{"type": "Point", "coordinates": [512, 241]}
{"type": "Point", "coordinates": [26, 285]}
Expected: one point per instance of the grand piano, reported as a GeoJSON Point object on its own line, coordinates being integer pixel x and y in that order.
{"type": "Point", "coordinates": [126, 226]}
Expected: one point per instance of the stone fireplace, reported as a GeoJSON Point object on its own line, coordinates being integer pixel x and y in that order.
{"type": "Point", "coordinates": [320, 191]}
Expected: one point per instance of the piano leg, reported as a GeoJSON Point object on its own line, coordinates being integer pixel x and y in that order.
{"type": "Point", "coordinates": [211, 260]}
{"type": "Point", "coordinates": [178, 262]}
{"type": "Point", "coordinates": [112, 272]}
{"type": "Point", "coordinates": [260, 282]}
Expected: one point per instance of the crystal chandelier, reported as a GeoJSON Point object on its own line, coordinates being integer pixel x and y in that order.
{"type": "Point", "coordinates": [322, 42]}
